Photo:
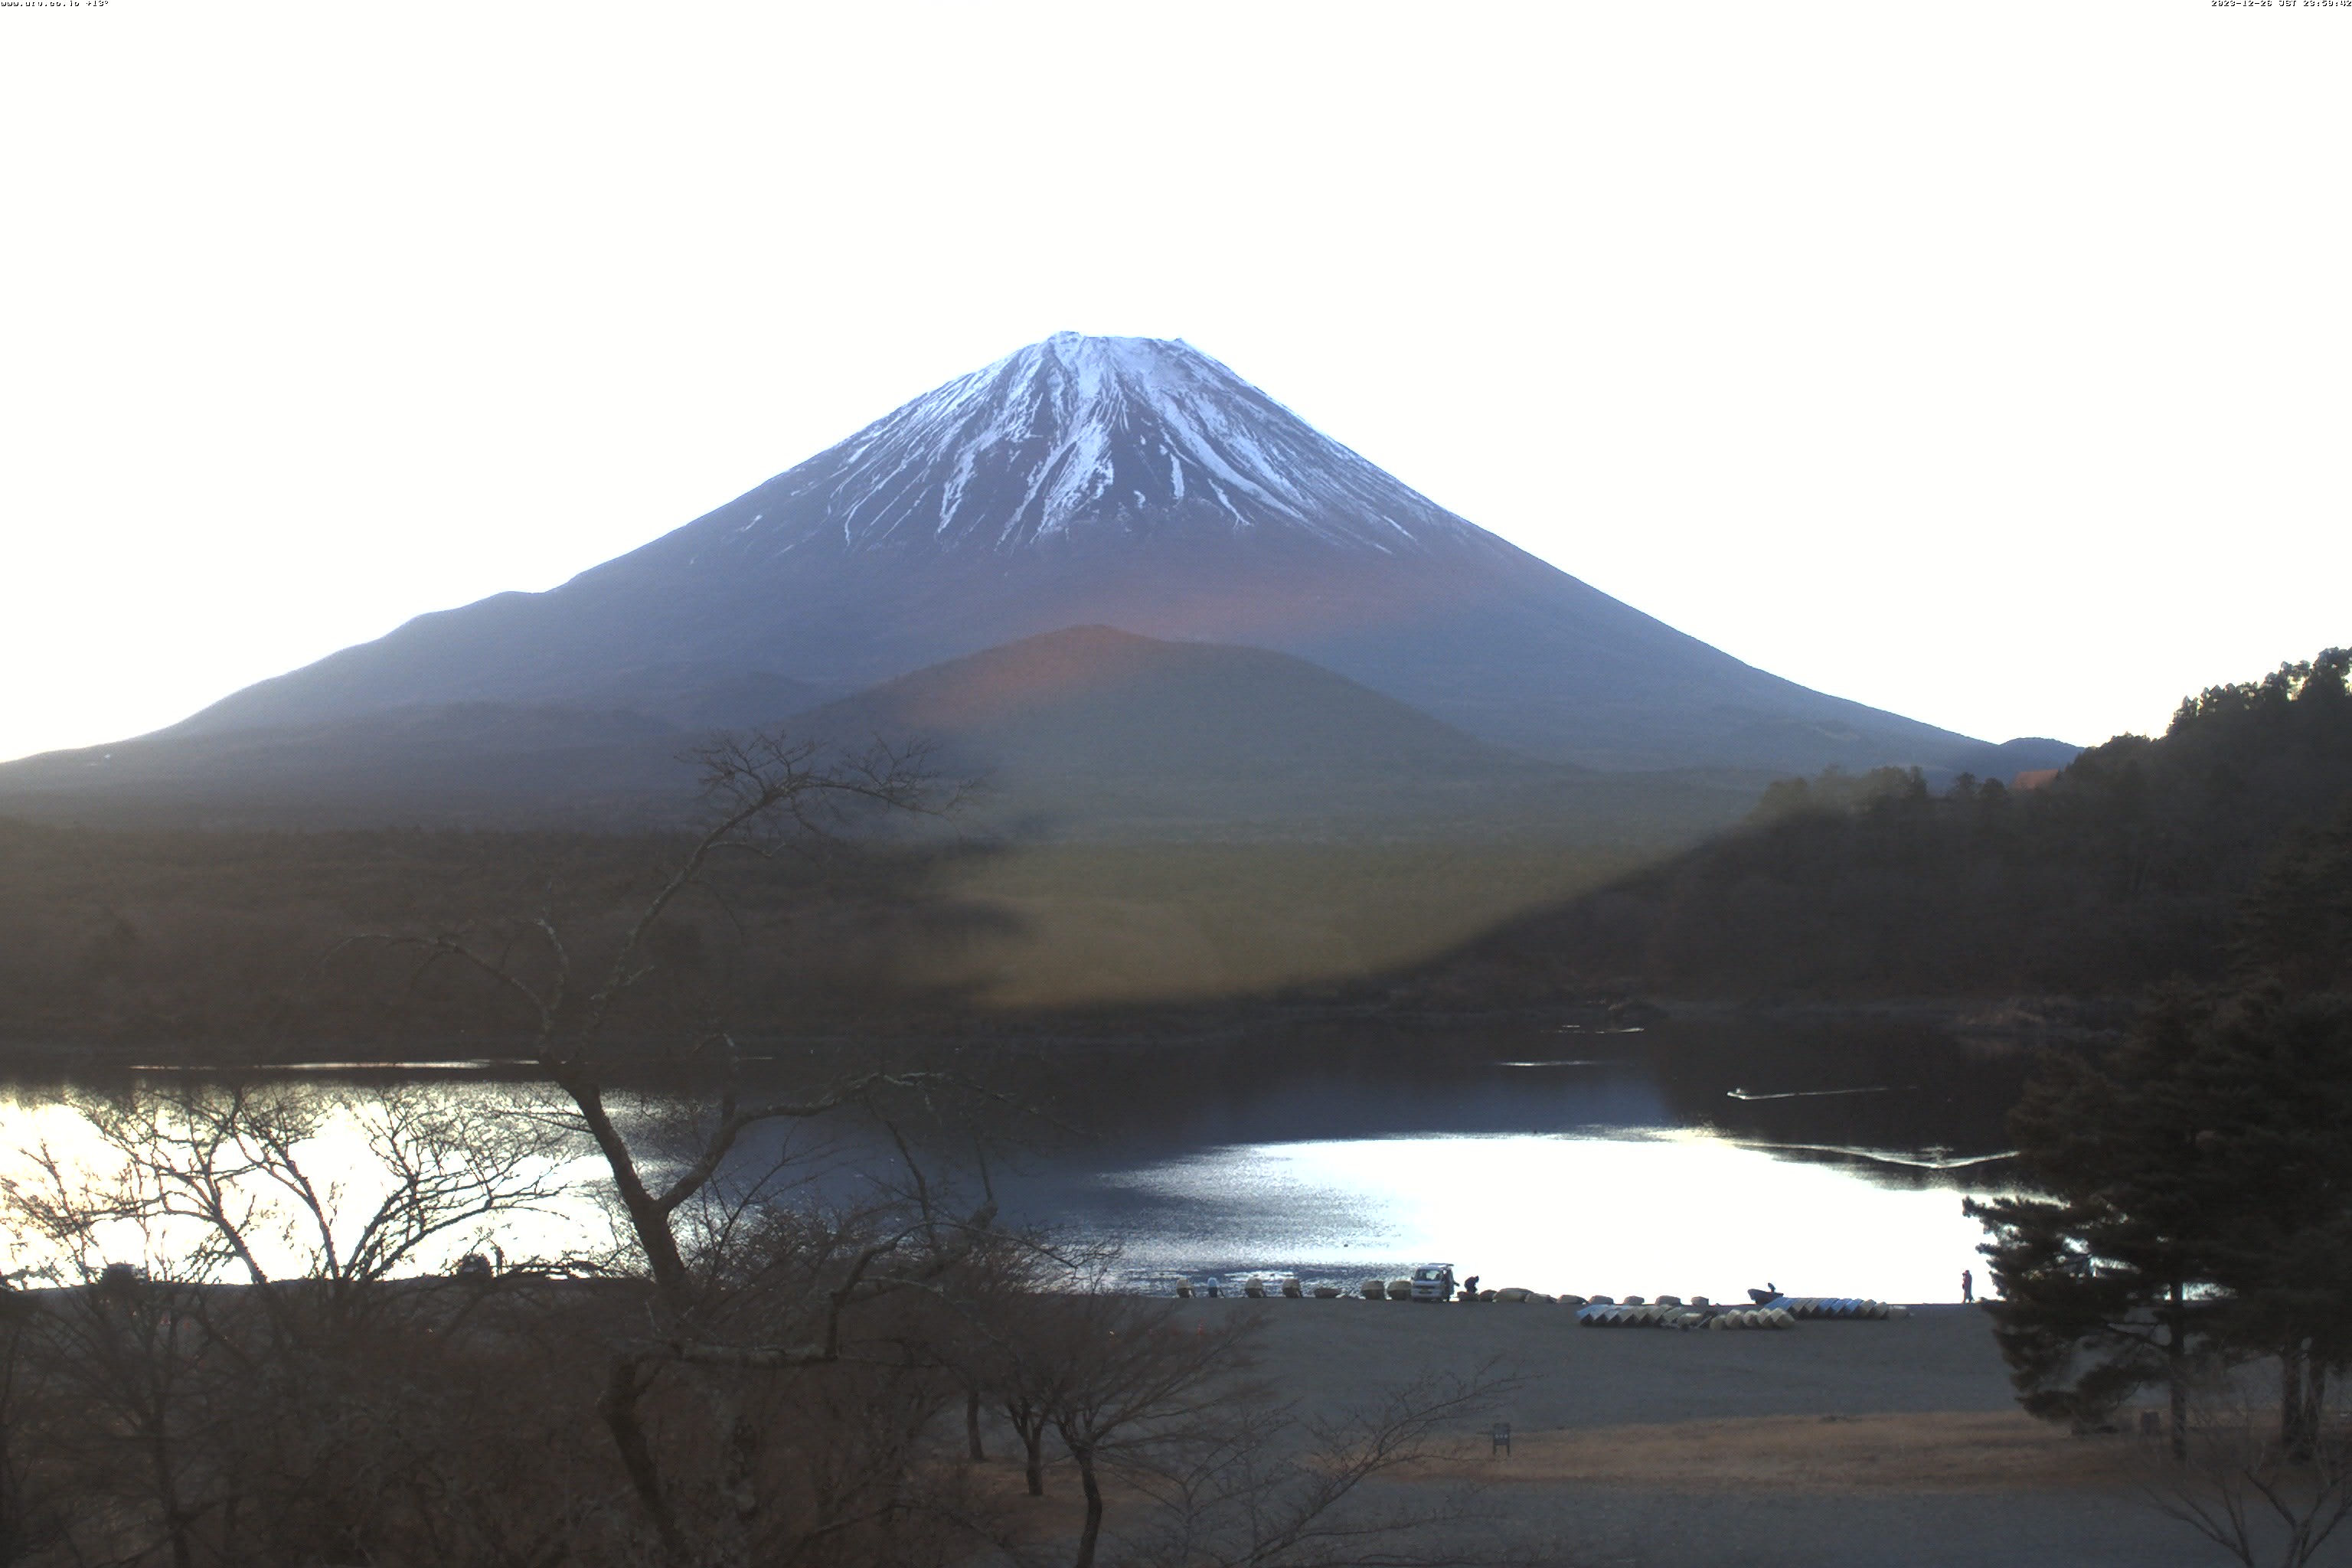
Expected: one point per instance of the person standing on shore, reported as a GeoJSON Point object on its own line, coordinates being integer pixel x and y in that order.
{"type": "Point", "coordinates": [1968, 1288]}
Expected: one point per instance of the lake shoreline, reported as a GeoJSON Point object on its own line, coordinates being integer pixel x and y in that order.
{"type": "Point", "coordinates": [1992, 1022]}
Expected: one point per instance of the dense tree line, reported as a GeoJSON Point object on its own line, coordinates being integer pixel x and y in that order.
{"type": "Point", "coordinates": [2187, 1218]}
{"type": "Point", "coordinates": [2122, 873]}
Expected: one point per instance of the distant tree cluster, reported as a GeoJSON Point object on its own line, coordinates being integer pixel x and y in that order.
{"type": "Point", "coordinates": [2122, 873]}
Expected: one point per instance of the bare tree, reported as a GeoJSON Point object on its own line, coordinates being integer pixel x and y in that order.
{"type": "Point", "coordinates": [1273, 1489]}
{"type": "Point", "coordinates": [242, 1165]}
{"type": "Point", "coordinates": [136, 1408]}
{"type": "Point", "coordinates": [739, 1288]}
{"type": "Point", "coordinates": [765, 794]}
{"type": "Point", "coordinates": [1111, 1376]}
{"type": "Point", "coordinates": [1120, 1378]}
{"type": "Point", "coordinates": [29, 1517]}
{"type": "Point", "coordinates": [765, 1374]}
{"type": "Point", "coordinates": [226, 1352]}
{"type": "Point", "coordinates": [2263, 1489]}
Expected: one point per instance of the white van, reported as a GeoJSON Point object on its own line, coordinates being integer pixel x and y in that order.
{"type": "Point", "coordinates": [1433, 1282]}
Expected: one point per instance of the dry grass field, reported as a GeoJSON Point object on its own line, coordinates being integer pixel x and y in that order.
{"type": "Point", "coordinates": [1939, 1451]}
{"type": "Point", "coordinates": [1093, 924]}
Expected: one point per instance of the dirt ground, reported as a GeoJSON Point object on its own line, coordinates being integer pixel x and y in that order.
{"type": "Point", "coordinates": [1831, 1445]}
{"type": "Point", "coordinates": [1840, 1455]}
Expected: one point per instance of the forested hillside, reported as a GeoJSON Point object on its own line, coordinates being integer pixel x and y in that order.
{"type": "Point", "coordinates": [226, 945]}
{"type": "Point", "coordinates": [237, 945]}
{"type": "Point", "coordinates": [2125, 870]}
{"type": "Point", "coordinates": [2129, 868]}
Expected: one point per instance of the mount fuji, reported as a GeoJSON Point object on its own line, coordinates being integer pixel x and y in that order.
{"type": "Point", "coordinates": [1126, 483]}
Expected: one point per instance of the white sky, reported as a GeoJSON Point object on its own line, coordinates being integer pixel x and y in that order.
{"type": "Point", "coordinates": [1991, 363]}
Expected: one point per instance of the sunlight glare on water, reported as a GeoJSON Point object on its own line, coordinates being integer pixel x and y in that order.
{"type": "Point", "coordinates": [1634, 1212]}
{"type": "Point", "coordinates": [1838, 1171]}
{"type": "Point", "coordinates": [337, 1157]}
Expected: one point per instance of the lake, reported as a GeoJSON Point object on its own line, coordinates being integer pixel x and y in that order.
{"type": "Point", "coordinates": [1698, 1158]}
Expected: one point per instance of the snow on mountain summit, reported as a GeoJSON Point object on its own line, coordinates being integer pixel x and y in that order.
{"type": "Point", "coordinates": [1077, 435]}
{"type": "Point", "coordinates": [1133, 483]}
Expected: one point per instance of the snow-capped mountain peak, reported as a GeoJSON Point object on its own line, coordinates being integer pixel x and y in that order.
{"type": "Point", "coordinates": [1133, 483]}
{"type": "Point", "coordinates": [1077, 434]}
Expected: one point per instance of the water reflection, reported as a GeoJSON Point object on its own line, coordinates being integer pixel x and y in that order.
{"type": "Point", "coordinates": [1631, 1211]}
{"type": "Point", "coordinates": [1628, 1169]}
{"type": "Point", "coordinates": [1691, 1158]}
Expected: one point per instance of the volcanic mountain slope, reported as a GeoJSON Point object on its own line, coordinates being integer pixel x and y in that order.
{"type": "Point", "coordinates": [1084, 734]}
{"type": "Point", "coordinates": [1094, 734]}
{"type": "Point", "coordinates": [1125, 482]}
{"type": "Point", "coordinates": [473, 764]}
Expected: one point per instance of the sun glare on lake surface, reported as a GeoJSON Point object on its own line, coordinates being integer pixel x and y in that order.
{"type": "Point", "coordinates": [1632, 1211]}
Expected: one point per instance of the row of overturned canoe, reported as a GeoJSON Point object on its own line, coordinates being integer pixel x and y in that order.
{"type": "Point", "coordinates": [1783, 1312]}
{"type": "Point", "coordinates": [1371, 1290]}
{"type": "Point", "coordinates": [1837, 1307]}
{"type": "Point", "coordinates": [1257, 1287]}
{"type": "Point", "coordinates": [1654, 1316]}
{"type": "Point", "coordinates": [1597, 1311]}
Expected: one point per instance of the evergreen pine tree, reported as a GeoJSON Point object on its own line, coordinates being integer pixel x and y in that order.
{"type": "Point", "coordinates": [2099, 1278]}
{"type": "Point", "coordinates": [2198, 1209]}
